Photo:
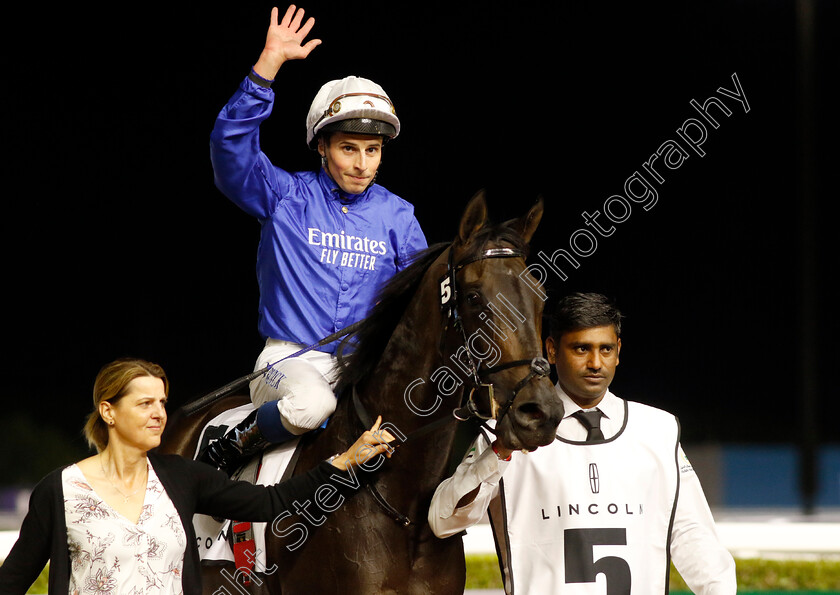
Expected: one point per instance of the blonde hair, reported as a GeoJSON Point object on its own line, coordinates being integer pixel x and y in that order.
{"type": "Point", "coordinates": [110, 385]}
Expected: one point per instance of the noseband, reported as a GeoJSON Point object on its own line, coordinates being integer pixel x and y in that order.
{"type": "Point", "coordinates": [538, 366]}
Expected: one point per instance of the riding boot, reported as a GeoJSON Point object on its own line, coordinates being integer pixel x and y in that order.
{"type": "Point", "coordinates": [261, 428]}
{"type": "Point", "coordinates": [231, 450]}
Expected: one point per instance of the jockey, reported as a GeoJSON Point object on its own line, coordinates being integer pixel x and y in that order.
{"type": "Point", "coordinates": [329, 239]}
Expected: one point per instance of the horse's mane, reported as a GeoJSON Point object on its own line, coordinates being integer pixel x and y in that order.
{"type": "Point", "coordinates": [374, 332]}
{"type": "Point", "coordinates": [369, 340]}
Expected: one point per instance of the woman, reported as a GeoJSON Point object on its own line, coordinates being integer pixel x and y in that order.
{"type": "Point", "coordinates": [122, 519]}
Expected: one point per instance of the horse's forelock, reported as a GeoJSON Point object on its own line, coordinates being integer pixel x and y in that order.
{"type": "Point", "coordinates": [494, 234]}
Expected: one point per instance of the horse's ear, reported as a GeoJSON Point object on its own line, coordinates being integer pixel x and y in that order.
{"type": "Point", "coordinates": [527, 224]}
{"type": "Point", "coordinates": [474, 217]}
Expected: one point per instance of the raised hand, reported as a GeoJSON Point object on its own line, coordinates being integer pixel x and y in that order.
{"type": "Point", "coordinates": [285, 41]}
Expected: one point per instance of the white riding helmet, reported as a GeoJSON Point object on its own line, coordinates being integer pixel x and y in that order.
{"type": "Point", "coordinates": [352, 104]}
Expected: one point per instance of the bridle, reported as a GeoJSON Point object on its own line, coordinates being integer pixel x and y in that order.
{"type": "Point", "coordinates": [538, 366]}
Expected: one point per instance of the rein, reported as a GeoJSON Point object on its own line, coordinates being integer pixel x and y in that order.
{"type": "Point", "coordinates": [367, 422]}
{"type": "Point", "coordinates": [538, 368]}
{"type": "Point", "coordinates": [228, 388]}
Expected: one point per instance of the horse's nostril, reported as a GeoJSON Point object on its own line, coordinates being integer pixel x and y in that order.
{"type": "Point", "coordinates": [531, 410]}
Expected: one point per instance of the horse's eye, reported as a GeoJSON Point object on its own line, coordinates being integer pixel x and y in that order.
{"type": "Point", "coordinates": [474, 298]}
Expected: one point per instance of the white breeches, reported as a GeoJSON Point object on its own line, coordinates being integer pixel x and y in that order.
{"type": "Point", "coordinates": [302, 385]}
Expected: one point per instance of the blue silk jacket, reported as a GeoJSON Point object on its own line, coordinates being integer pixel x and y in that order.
{"type": "Point", "coordinates": [323, 254]}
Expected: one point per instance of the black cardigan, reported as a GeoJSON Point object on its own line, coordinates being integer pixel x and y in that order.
{"type": "Point", "coordinates": [194, 488]}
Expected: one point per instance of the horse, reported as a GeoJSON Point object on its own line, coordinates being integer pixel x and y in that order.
{"type": "Point", "coordinates": [453, 341]}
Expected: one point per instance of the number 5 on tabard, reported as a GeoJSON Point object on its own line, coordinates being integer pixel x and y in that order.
{"type": "Point", "coordinates": [580, 563]}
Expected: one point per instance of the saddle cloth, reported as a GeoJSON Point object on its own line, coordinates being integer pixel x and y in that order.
{"type": "Point", "coordinates": [212, 535]}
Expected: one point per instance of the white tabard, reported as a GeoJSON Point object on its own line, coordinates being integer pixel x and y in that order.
{"type": "Point", "coordinates": [593, 519]}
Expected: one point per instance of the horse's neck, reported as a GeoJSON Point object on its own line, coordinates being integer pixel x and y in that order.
{"type": "Point", "coordinates": [407, 363]}
{"type": "Point", "coordinates": [401, 388]}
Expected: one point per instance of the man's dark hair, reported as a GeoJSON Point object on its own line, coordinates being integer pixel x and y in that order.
{"type": "Point", "coordinates": [579, 311]}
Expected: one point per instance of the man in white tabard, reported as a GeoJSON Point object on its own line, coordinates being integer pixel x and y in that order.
{"type": "Point", "coordinates": [607, 507]}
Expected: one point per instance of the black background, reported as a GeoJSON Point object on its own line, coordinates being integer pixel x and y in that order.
{"type": "Point", "coordinates": [117, 243]}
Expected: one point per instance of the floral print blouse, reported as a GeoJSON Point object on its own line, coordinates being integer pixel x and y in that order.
{"type": "Point", "coordinates": [109, 554]}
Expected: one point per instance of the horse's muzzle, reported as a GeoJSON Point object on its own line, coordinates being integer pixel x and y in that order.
{"type": "Point", "coordinates": [533, 419]}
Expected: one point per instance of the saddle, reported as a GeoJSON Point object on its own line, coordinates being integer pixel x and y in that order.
{"type": "Point", "coordinates": [226, 540]}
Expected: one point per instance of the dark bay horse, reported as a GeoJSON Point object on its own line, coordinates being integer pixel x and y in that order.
{"type": "Point", "coordinates": [457, 330]}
